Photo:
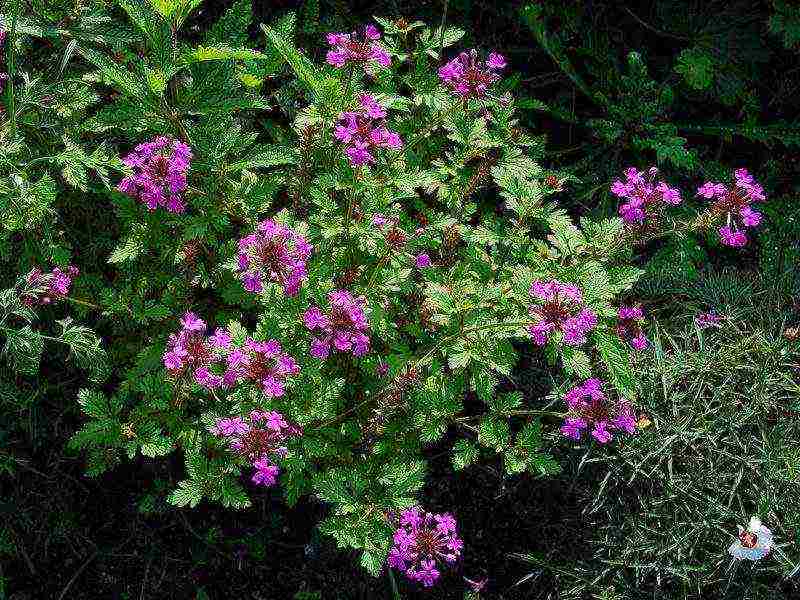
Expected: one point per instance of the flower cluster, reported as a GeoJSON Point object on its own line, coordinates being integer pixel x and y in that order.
{"type": "Point", "coordinates": [731, 206]}
{"type": "Point", "coordinates": [261, 439]}
{"type": "Point", "coordinates": [3, 76]}
{"type": "Point", "coordinates": [421, 541]}
{"type": "Point", "coordinates": [561, 309]}
{"type": "Point", "coordinates": [753, 543]}
{"type": "Point", "coordinates": [589, 407]}
{"type": "Point", "coordinates": [273, 253]}
{"type": "Point", "coordinates": [629, 327]}
{"type": "Point", "coordinates": [214, 361]}
{"type": "Point", "coordinates": [357, 48]}
{"type": "Point", "coordinates": [43, 288]}
{"type": "Point", "coordinates": [707, 319]}
{"type": "Point", "coordinates": [644, 197]}
{"type": "Point", "coordinates": [343, 328]}
{"type": "Point", "coordinates": [365, 130]}
{"type": "Point", "coordinates": [159, 173]}
{"type": "Point", "coordinates": [469, 77]}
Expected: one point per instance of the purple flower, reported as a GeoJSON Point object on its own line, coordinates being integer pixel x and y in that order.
{"type": "Point", "coordinates": [42, 288]}
{"type": "Point", "coordinates": [644, 197]}
{"type": "Point", "coordinates": [421, 542]}
{"type": "Point", "coordinates": [588, 406]}
{"type": "Point", "coordinates": [267, 366]}
{"type": "Point", "coordinates": [629, 327]}
{"type": "Point", "coordinates": [573, 428]}
{"type": "Point", "coordinates": [214, 362]}
{"type": "Point", "coordinates": [266, 474]}
{"type": "Point", "coordinates": [469, 77]}
{"type": "Point", "coordinates": [357, 48]}
{"type": "Point", "coordinates": [560, 308]}
{"type": "Point", "coordinates": [707, 319]}
{"type": "Point", "coordinates": [273, 253]}
{"type": "Point", "coordinates": [191, 322]}
{"type": "Point", "coordinates": [364, 131]}
{"type": "Point", "coordinates": [422, 261]}
{"type": "Point", "coordinates": [343, 328]}
{"type": "Point", "coordinates": [221, 339]}
{"type": "Point", "coordinates": [230, 427]}
{"type": "Point", "coordinates": [260, 438]}
{"type": "Point", "coordinates": [379, 220]}
{"type": "Point", "coordinates": [731, 207]}
{"type": "Point", "coordinates": [159, 176]}
{"type": "Point", "coordinates": [731, 237]}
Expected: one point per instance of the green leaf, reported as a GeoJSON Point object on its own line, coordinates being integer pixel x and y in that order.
{"type": "Point", "coordinates": [493, 432]}
{"type": "Point", "coordinates": [189, 493]}
{"type": "Point", "coordinates": [23, 349]}
{"type": "Point", "coordinates": [616, 358]}
{"type": "Point", "coordinates": [96, 404]}
{"type": "Point", "coordinates": [465, 453]}
{"type": "Point", "coordinates": [303, 68]}
{"type": "Point", "coordinates": [122, 79]}
{"type": "Point", "coordinates": [696, 66]}
{"type": "Point", "coordinates": [131, 246]}
{"type": "Point", "coordinates": [159, 445]}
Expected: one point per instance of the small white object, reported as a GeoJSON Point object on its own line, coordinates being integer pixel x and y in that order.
{"type": "Point", "coordinates": [754, 543]}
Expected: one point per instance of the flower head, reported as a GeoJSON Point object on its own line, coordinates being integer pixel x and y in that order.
{"type": "Point", "coordinates": [159, 173]}
{"type": "Point", "coordinates": [273, 253]}
{"type": "Point", "coordinates": [422, 261]}
{"type": "Point", "coordinates": [260, 438]}
{"type": "Point", "coordinates": [589, 407]}
{"type": "Point", "coordinates": [364, 130]}
{"type": "Point", "coordinates": [559, 307]}
{"type": "Point", "coordinates": [629, 327]}
{"type": "Point", "coordinates": [357, 48]}
{"type": "Point", "coordinates": [422, 542]}
{"type": "Point", "coordinates": [214, 362]}
{"type": "Point", "coordinates": [343, 328]}
{"type": "Point", "coordinates": [731, 207]}
{"type": "Point", "coordinates": [753, 543]}
{"type": "Point", "coordinates": [644, 196]}
{"type": "Point", "coordinates": [469, 77]}
{"type": "Point", "coordinates": [707, 319]}
{"type": "Point", "coordinates": [43, 288]}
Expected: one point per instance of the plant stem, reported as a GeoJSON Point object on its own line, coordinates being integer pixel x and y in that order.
{"type": "Point", "coordinates": [12, 69]}
{"type": "Point", "coordinates": [441, 35]}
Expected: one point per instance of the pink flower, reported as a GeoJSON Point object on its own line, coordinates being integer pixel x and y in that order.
{"type": "Point", "coordinates": [364, 131]}
{"type": "Point", "coordinates": [273, 253]}
{"type": "Point", "coordinates": [214, 362]}
{"type": "Point", "coordinates": [421, 542]}
{"type": "Point", "coordinates": [159, 176]}
{"type": "Point", "coordinates": [260, 438]}
{"type": "Point", "coordinates": [42, 288]}
{"type": "Point", "coordinates": [357, 48]}
{"type": "Point", "coordinates": [342, 329]}
{"type": "Point", "coordinates": [644, 196]}
{"type": "Point", "coordinates": [559, 308]}
{"type": "Point", "coordinates": [629, 327]}
{"type": "Point", "coordinates": [469, 77]}
{"type": "Point", "coordinates": [588, 406]}
{"type": "Point", "coordinates": [731, 207]}
{"type": "Point", "coordinates": [707, 319]}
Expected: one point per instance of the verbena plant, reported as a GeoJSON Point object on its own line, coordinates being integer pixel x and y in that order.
{"type": "Point", "coordinates": [314, 305]}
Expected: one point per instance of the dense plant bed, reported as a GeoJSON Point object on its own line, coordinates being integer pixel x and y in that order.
{"type": "Point", "coordinates": [313, 307]}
